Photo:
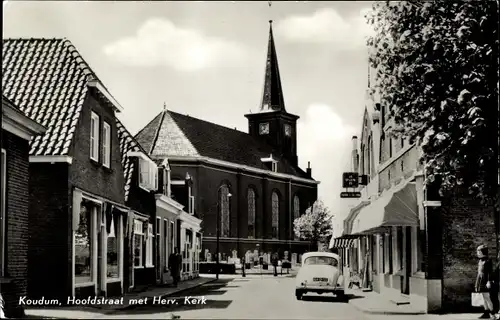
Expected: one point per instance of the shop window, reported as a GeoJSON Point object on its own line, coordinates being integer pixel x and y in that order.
{"type": "Point", "coordinates": [390, 254]}
{"type": "Point", "coordinates": [84, 246]}
{"type": "Point", "coordinates": [149, 246]}
{"type": "Point", "coordinates": [400, 254]}
{"type": "Point", "coordinates": [138, 243]}
{"type": "Point", "coordinates": [113, 249]}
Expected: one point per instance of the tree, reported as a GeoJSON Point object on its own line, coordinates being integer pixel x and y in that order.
{"type": "Point", "coordinates": [315, 224]}
{"type": "Point", "coordinates": [437, 73]}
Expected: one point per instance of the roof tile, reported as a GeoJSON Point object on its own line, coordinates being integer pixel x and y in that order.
{"type": "Point", "coordinates": [47, 79]}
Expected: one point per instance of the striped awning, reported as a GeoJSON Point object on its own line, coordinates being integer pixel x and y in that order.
{"type": "Point", "coordinates": [342, 243]}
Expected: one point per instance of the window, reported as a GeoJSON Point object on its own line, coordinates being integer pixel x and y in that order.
{"type": "Point", "coordinates": [172, 235]}
{"type": "Point", "coordinates": [390, 268]}
{"type": "Point", "coordinates": [4, 212]}
{"type": "Point", "coordinates": [113, 233]}
{"type": "Point", "coordinates": [94, 137]}
{"type": "Point", "coordinates": [296, 211]}
{"type": "Point", "coordinates": [148, 175]}
{"type": "Point", "coordinates": [274, 166]}
{"type": "Point", "coordinates": [158, 245]}
{"type": "Point", "coordinates": [191, 204]}
{"type": "Point", "coordinates": [390, 147]}
{"type": "Point", "coordinates": [149, 246]}
{"type": "Point", "coordinates": [84, 246]}
{"type": "Point", "coordinates": [138, 243]}
{"type": "Point", "coordinates": [288, 130]}
{"type": "Point", "coordinates": [372, 161]}
{"type": "Point", "coordinates": [402, 143]}
{"type": "Point", "coordinates": [224, 211]}
{"type": "Point", "coordinates": [321, 260]}
{"type": "Point", "coordinates": [264, 128]}
{"type": "Point", "coordinates": [106, 145]}
{"type": "Point", "coordinates": [369, 157]}
{"type": "Point", "coordinates": [165, 241]}
{"type": "Point", "coordinates": [275, 214]}
{"type": "Point", "coordinates": [400, 248]}
{"type": "Point", "coordinates": [251, 212]}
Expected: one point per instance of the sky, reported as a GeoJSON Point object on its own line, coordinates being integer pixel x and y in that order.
{"type": "Point", "coordinates": [207, 59]}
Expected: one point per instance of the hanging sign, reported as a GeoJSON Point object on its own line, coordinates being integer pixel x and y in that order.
{"type": "Point", "coordinates": [350, 180]}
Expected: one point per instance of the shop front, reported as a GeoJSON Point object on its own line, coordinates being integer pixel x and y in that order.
{"type": "Point", "coordinates": [167, 217]}
{"type": "Point", "coordinates": [190, 245]}
{"type": "Point", "coordinates": [98, 246]}
{"type": "Point", "coordinates": [392, 231]}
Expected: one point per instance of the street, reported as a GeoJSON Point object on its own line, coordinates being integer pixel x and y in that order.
{"type": "Point", "coordinates": [254, 297]}
{"type": "Point", "coordinates": [235, 297]}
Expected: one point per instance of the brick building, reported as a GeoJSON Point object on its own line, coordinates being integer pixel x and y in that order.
{"type": "Point", "coordinates": [157, 222]}
{"type": "Point", "coordinates": [406, 242]}
{"type": "Point", "coordinates": [250, 182]}
{"type": "Point", "coordinates": [17, 130]}
{"type": "Point", "coordinates": [76, 176]}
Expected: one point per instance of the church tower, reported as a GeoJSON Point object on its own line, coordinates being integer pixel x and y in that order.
{"type": "Point", "coordinates": [272, 123]}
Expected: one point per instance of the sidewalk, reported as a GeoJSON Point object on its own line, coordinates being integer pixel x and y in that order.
{"type": "Point", "coordinates": [96, 311]}
{"type": "Point", "coordinates": [375, 303]}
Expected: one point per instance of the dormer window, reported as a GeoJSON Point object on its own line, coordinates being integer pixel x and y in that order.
{"type": "Point", "coordinates": [148, 172]}
{"type": "Point", "coordinates": [273, 163]}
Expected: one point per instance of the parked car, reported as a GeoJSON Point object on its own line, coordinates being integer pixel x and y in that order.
{"type": "Point", "coordinates": [320, 273]}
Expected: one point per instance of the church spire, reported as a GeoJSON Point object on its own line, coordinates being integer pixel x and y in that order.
{"type": "Point", "coordinates": [272, 98]}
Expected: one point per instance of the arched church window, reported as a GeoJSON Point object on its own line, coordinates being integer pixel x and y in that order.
{"type": "Point", "coordinates": [296, 211]}
{"type": "Point", "coordinates": [275, 214]}
{"type": "Point", "coordinates": [224, 210]}
{"type": "Point", "coordinates": [251, 213]}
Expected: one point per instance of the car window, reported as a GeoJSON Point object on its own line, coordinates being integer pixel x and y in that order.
{"type": "Point", "coordinates": [319, 260]}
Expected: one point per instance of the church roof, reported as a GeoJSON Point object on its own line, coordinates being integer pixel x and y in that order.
{"type": "Point", "coordinates": [171, 134]}
{"type": "Point", "coordinates": [272, 97]}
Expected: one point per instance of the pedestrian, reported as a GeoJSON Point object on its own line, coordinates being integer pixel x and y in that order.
{"type": "Point", "coordinates": [484, 281]}
{"type": "Point", "coordinates": [243, 266]}
{"type": "Point", "coordinates": [275, 264]}
{"type": "Point", "coordinates": [174, 265]}
{"type": "Point", "coordinates": [495, 294]}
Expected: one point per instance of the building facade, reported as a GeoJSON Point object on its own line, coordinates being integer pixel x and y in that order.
{"type": "Point", "coordinates": [247, 187]}
{"type": "Point", "coordinates": [17, 130]}
{"type": "Point", "coordinates": [404, 241]}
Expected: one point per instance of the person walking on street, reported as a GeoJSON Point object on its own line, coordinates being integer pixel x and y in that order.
{"type": "Point", "coordinates": [484, 281]}
{"type": "Point", "coordinates": [275, 263]}
{"type": "Point", "coordinates": [174, 265]}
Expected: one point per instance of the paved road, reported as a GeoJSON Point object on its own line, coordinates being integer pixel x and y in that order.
{"type": "Point", "coordinates": [253, 297]}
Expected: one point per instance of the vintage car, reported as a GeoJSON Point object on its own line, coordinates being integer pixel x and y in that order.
{"type": "Point", "coordinates": [320, 273]}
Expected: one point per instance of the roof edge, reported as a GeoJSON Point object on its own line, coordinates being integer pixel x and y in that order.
{"type": "Point", "coordinates": [238, 166]}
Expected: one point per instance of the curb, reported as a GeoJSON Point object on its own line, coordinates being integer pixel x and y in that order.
{"type": "Point", "coordinates": [127, 307]}
{"type": "Point", "coordinates": [383, 312]}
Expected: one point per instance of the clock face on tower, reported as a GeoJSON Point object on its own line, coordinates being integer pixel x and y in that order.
{"type": "Point", "coordinates": [264, 128]}
{"type": "Point", "coordinates": [288, 130]}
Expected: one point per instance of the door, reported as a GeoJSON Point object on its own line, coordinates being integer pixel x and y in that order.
{"type": "Point", "coordinates": [101, 255]}
{"type": "Point", "coordinates": [405, 279]}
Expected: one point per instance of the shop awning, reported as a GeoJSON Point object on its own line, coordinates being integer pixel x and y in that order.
{"type": "Point", "coordinates": [396, 207]}
{"type": "Point", "coordinates": [342, 243]}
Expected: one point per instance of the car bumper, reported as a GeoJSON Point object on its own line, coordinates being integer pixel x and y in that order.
{"type": "Point", "coordinates": [313, 288]}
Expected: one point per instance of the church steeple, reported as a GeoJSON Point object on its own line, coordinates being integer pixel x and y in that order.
{"type": "Point", "coordinates": [273, 124]}
{"type": "Point", "coordinates": [272, 97]}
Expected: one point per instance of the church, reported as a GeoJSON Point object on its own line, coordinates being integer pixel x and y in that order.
{"type": "Point", "coordinates": [246, 187]}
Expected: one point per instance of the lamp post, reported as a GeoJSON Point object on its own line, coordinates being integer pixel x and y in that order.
{"type": "Point", "coordinates": [217, 265]}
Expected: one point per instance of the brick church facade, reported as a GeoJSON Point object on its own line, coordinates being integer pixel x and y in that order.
{"type": "Point", "coordinates": [248, 184]}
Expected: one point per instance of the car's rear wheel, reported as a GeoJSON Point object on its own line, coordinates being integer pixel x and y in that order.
{"type": "Point", "coordinates": [298, 294]}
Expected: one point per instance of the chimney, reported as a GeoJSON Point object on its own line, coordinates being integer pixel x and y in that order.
{"type": "Point", "coordinates": [309, 171]}
{"type": "Point", "coordinates": [354, 154]}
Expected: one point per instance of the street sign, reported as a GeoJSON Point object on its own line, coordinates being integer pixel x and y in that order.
{"type": "Point", "coordinates": [350, 194]}
{"type": "Point", "coordinates": [350, 180]}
